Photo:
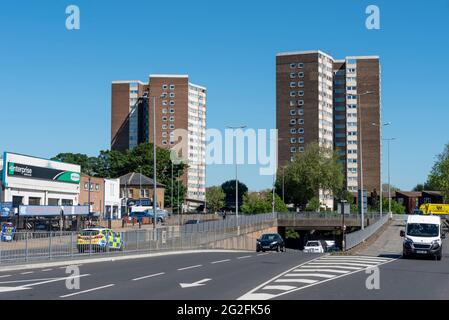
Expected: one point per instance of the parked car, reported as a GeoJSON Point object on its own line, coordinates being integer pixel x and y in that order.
{"type": "Point", "coordinates": [270, 242]}
{"type": "Point", "coordinates": [161, 214]}
{"type": "Point", "coordinates": [315, 246]}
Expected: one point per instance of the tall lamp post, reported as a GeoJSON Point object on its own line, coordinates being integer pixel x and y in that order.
{"type": "Point", "coordinates": [381, 184]}
{"type": "Point", "coordinates": [360, 154]}
{"type": "Point", "coordinates": [389, 182]}
{"type": "Point", "coordinates": [236, 178]}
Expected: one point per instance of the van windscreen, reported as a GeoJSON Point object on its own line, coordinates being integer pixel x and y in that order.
{"type": "Point", "coordinates": [422, 230]}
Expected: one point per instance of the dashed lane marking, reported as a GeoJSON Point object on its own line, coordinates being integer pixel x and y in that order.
{"type": "Point", "coordinates": [191, 267]}
{"type": "Point", "coordinates": [149, 276]}
{"type": "Point", "coordinates": [221, 261]}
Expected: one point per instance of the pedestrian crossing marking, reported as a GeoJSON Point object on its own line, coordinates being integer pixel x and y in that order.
{"type": "Point", "coordinates": [311, 273]}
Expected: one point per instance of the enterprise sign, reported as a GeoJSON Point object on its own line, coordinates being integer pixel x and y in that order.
{"type": "Point", "coordinates": [33, 172]}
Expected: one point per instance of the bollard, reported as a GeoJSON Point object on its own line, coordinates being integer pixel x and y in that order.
{"type": "Point", "coordinates": [49, 246]}
{"type": "Point", "coordinates": [71, 244]}
{"type": "Point", "coordinates": [26, 246]}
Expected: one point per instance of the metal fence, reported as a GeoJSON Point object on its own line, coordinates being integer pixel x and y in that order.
{"type": "Point", "coordinates": [38, 246]}
{"type": "Point", "coordinates": [355, 238]}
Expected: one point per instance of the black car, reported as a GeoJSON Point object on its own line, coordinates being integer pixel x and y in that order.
{"type": "Point", "coordinates": [270, 242]}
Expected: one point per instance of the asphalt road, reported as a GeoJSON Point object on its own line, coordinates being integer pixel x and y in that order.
{"type": "Point", "coordinates": [238, 275]}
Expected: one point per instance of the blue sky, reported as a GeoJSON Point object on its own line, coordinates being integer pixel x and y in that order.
{"type": "Point", "coordinates": [55, 83]}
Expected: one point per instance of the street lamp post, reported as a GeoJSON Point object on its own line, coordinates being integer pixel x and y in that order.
{"type": "Point", "coordinates": [360, 153]}
{"type": "Point", "coordinates": [381, 184]}
{"type": "Point", "coordinates": [154, 165]}
{"type": "Point", "coordinates": [389, 181]}
{"type": "Point", "coordinates": [236, 179]}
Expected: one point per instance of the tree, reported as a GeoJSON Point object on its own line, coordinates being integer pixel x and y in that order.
{"type": "Point", "coordinates": [317, 168]}
{"type": "Point", "coordinates": [229, 190]}
{"type": "Point", "coordinates": [261, 202]}
{"type": "Point", "coordinates": [291, 234]}
{"type": "Point", "coordinates": [439, 176]}
{"type": "Point", "coordinates": [215, 198]}
{"type": "Point", "coordinates": [313, 205]}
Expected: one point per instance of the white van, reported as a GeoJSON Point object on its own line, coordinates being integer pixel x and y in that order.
{"type": "Point", "coordinates": [423, 236]}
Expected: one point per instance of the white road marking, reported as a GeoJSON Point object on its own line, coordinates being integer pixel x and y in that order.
{"type": "Point", "coordinates": [263, 254]}
{"type": "Point", "coordinates": [312, 265]}
{"type": "Point", "coordinates": [45, 270]}
{"type": "Point", "coordinates": [29, 272]}
{"type": "Point", "coordinates": [321, 270]}
{"type": "Point", "coordinates": [283, 288]}
{"type": "Point", "coordinates": [191, 267]}
{"type": "Point", "coordinates": [308, 281]}
{"type": "Point", "coordinates": [54, 280]}
{"type": "Point", "coordinates": [353, 260]}
{"type": "Point", "coordinates": [85, 291]}
{"type": "Point", "coordinates": [5, 276]}
{"type": "Point", "coordinates": [27, 280]}
{"type": "Point", "coordinates": [9, 289]}
{"type": "Point", "coordinates": [342, 264]}
{"type": "Point", "coordinates": [318, 275]}
{"type": "Point", "coordinates": [221, 261]}
{"type": "Point", "coordinates": [244, 257]}
{"type": "Point", "coordinates": [149, 276]}
{"type": "Point", "coordinates": [195, 284]}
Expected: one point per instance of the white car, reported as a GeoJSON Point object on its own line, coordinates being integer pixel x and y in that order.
{"type": "Point", "coordinates": [313, 247]}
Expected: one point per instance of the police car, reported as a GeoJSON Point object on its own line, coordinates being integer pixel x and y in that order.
{"type": "Point", "coordinates": [99, 239]}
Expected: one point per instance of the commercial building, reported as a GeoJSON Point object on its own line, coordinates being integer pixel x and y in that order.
{"type": "Point", "coordinates": [179, 105]}
{"type": "Point", "coordinates": [28, 180]}
{"type": "Point", "coordinates": [321, 100]}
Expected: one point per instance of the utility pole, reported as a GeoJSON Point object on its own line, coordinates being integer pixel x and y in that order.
{"type": "Point", "coordinates": [154, 164]}
{"type": "Point", "coordinates": [360, 153]}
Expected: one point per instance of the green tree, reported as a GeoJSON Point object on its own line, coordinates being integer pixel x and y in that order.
{"type": "Point", "coordinates": [313, 205]}
{"type": "Point", "coordinates": [439, 176]}
{"type": "Point", "coordinates": [396, 207]}
{"type": "Point", "coordinates": [317, 168]}
{"type": "Point", "coordinates": [291, 234]}
{"type": "Point", "coordinates": [261, 202]}
{"type": "Point", "coordinates": [229, 190]}
{"type": "Point", "coordinates": [215, 198]}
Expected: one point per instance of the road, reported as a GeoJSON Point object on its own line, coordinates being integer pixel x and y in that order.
{"type": "Point", "coordinates": [240, 275]}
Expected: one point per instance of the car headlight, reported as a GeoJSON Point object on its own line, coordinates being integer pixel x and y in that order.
{"type": "Point", "coordinates": [435, 243]}
{"type": "Point", "coordinates": [273, 243]}
{"type": "Point", "coordinates": [408, 242]}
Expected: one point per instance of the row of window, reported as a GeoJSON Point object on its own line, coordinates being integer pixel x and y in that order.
{"type": "Point", "coordinates": [296, 65]}
{"type": "Point", "coordinates": [165, 94]}
{"type": "Point", "coordinates": [297, 140]}
{"type": "Point", "coordinates": [165, 110]}
{"type": "Point", "coordinates": [296, 149]}
{"type": "Point", "coordinates": [293, 75]}
{"type": "Point", "coordinates": [295, 131]}
{"type": "Point", "coordinates": [296, 103]}
{"type": "Point", "coordinates": [165, 87]}
{"type": "Point", "coordinates": [299, 84]}
{"type": "Point", "coordinates": [164, 127]}
{"type": "Point", "coordinates": [164, 118]}
{"type": "Point", "coordinates": [299, 112]}
{"type": "Point", "coordinates": [165, 102]}
{"type": "Point", "coordinates": [296, 121]}
{"type": "Point", "coordinates": [93, 186]}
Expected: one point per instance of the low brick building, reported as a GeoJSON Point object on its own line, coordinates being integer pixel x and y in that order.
{"type": "Point", "coordinates": [96, 193]}
{"type": "Point", "coordinates": [134, 186]}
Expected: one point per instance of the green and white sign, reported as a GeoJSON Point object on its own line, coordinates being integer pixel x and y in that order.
{"type": "Point", "coordinates": [34, 172]}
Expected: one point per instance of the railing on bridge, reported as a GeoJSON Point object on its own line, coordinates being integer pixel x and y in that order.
{"type": "Point", "coordinates": [355, 238]}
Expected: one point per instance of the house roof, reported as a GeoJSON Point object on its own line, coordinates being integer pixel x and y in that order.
{"type": "Point", "coordinates": [135, 179]}
{"type": "Point", "coordinates": [410, 194]}
{"type": "Point", "coordinates": [433, 193]}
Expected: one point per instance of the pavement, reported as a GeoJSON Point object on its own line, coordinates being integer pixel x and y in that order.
{"type": "Point", "coordinates": [389, 243]}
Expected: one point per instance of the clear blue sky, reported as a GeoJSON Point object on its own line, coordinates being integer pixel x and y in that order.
{"type": "Point", "coordinates": [55, 83]}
